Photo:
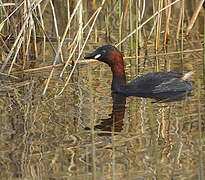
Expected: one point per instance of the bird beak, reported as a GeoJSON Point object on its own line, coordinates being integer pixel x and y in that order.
{"type": "Point", "coordinates": [92, 55]}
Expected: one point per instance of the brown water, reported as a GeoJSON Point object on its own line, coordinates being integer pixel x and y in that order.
{"type": "Point", "coordinates": [49, 138]}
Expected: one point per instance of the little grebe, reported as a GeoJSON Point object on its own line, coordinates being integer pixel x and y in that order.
{"type": "Point", "coordinates": [156, 85]}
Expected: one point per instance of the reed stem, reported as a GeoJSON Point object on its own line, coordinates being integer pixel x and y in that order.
{"type": "Point", "coordinates": [204, 51]}
{"type": "Point", "coordinates": [136, 41]}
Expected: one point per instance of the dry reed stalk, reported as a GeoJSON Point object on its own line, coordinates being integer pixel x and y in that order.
{"type": "Point", "coordinates": [74, 41]}
{"type": "Point", "coordinates": [107, 32]}
{"type": "Point", "coordinates": [80, 24]}
{"type": "Point", "coordinates": [7, 18]}
{"type": "Point", "coordinates": [32, 24]}
{"type": "Point", "coordinates": [136, 40]}
{"type": "Point", "coordinates": [3, 5]}
{"type": "Point", "coordinates": [90, 61]}
{"type": "Point", "coordinates": [140, 17]}
{"type": "Point", "coordinates": [182, 31]}
{"type": "Point", "coordinates": [50, 40]}
{"type": "Point", "coordinates": [93, 4]}
{"type": "Point", "coordinates": [204, 52]}
{"type": "Point", "coordinates": [4, 11]}
{"type": "Point", "coordinates": [56, 30]}
{"type": "Point", "coordinates": [16, 53]}
{"type": "Point", "coordinates": [120, 20]}
{"type": "Point", "coordinates": [43, 27]}
{"type": "Point", "coordinates": [167, 66]}
{"type": "Point", "coordinates": [154, 23]}
{"type": "Point", "coordinates": [73, 50]}
{"type": "Point", "coordinates": [91, 28]}
{"type": "Point", "coordinates": [159, 22]}
{"type": "Point", "coordinates": [168, 13]}
{"type": "Point", "coordinates": [38, 69]}
{"type": "Point", "coordinates": [131, 26]}
{"type": "Point", "coordinates": [157, 42]}
{"type": "Point", "coordinates": [195, 15]}
{"type": "Point", "coordinates": [10, 76]}
{"type": "Point", "coordinates": [146, 21]}
{"type": "Point", "coordinates": [21, 32]}
{"type": "Point", "coordinates": [71, 54]}
{"type": "Point", "coordinates": [68, 9]}
{"type": "Point", "coordinates": [125, 9]}
{"type": "Point", "coordinates": [44, 6]}
{"type": "Point", "coordinates": [27, 34]}
{"type": "Point", "coordinates": [161, 54]}
{"type": "Point", "coordinates": [60, 46]}
{"type": "Point", "coordinates": [180, 20]}
{"type": "Point", "coordinates": [4, 43]}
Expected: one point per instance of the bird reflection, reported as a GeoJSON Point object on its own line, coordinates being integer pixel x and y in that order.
{"type": "Point", "coordinates": [114, 123]}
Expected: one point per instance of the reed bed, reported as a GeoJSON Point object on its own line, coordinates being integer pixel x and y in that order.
{"type": "Point", "coordinates": [33, 25]}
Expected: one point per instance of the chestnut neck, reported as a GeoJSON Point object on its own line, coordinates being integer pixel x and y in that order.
{"type": "Point", "coordinates": [117, 66]}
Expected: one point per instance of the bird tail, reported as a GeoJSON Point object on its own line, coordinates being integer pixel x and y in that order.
{"type": "Point", "coordinates": [187, 75]}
